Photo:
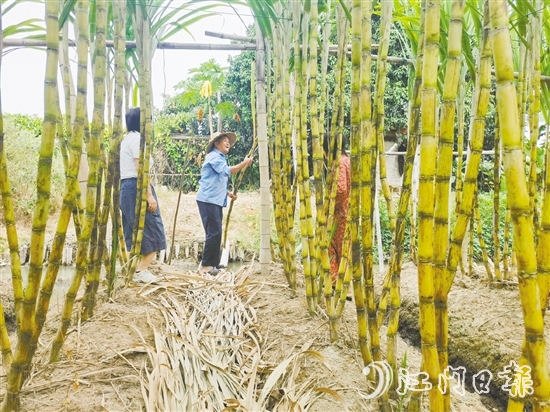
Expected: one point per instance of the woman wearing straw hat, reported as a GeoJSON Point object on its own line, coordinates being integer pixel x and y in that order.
{"type": "Point", "coordinates": [212, 196]}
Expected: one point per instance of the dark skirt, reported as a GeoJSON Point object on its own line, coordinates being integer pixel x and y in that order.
{"type": "Point", "coordinates": [154, 238]}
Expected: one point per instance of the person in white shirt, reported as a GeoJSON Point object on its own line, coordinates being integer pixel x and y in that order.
{"type": "Point", "coordinates": [154, 239]}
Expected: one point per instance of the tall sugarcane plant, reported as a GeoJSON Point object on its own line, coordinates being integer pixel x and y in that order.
{"type": "Point", "coordinates": [11, 233]}
{"type": "Point", "coordinates": [518, 201]}
{"type": "Point", "coordinates": [444, 163]}
{"type": "Point", "coordinates": [43, 184]}
{"type": "Point", "coordinates": [89, 218]}
{"type": "Point", "coordinates": [298, 34]}
{"type": "Point", "coordinates": [97, 159]}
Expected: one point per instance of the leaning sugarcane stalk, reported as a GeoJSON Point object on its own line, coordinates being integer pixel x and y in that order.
{"type": "Point", "coordinates": [543, 245]}
{"type": "Point", "coordinates": [310, 268]}
{"type": "Point", "coordinates": [518, 200]}
{"type": "Point", "coordinates": [118, 244]}
{"type": "Point", "coordinates": [284, 189]}
{"type": "Point", "coordinates": [5, 345]}
{"type": "Point", "coordinates": [378, 129]}
{"type": "Point", "coordinates": [516, 404]}
{"type": "Point", "coordinates": [460, 139]}
{"type": "Point", "coordinates": [325, 29]}
{"type": "Point", "coordinates": [113, 177]}
{"type": "Point", "coordinates": [68, 118]}
{"type": "Point", "coordinates": [367, 146]}
{"type": "Point", "coordinates": [479, 110]}
{"type": "Point", "coordinates": [11, 230]}
{"type": "Point", "coordinates": [379, 110]}
{"type": "Point", "coordinates": [428, 154]}
{"type": "Point", "coordinates": [470, 246]}
{"type": "Point", "coordinates": [98, 127]}
{"type": "Point", "coordinates": [355, 262]}
{"type": "Point", "coordinates": [79, 131]}
{"type": "Point", "coordinates": [329, 203]}
{"type": "Point", "coordinates": [263, 119]}
{"type": "Point", "coordinates": [506, 252]}
{"type": "Point", "coordinates": [11, 234]}
{"type": "Point", "coordinates": [301, 157]}
{"type": "Point", "coordinates": [276, 153]}
{"type": "Point", "coordinates": [535, 22]}
{"type": "Point", "coordinates": [143, 30]}
{"type": "Point", "coordinates": [19, 365]}
{"type": "Point", "coordinates": [317, 147]}
{"type": "Point", "coordinates": [355, 156]}
{"type": "Point", "coordinates": [444, 166]}
{"type": "Point", "coordinates": [496, 202]}
{"type": "Point", "coordinates": [392, 278]}
{"type": "Point", "coordinates": [481, 241]}
{"type": "Point", "coordinates": [405, 198]}
{"type": "Point", "coordinates": [236, 189]}
{"type": "Point", "coordinates": [56, 252]}
{"type": "Point", "coordinates": [322, 223]}
{"type": "Point", "coordinates": [290, 183]}
{"type": "Point", "coordinates": [392, 282]}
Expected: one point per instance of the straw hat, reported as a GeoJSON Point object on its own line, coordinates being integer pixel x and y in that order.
{"type": "Point", "coordinates": [217, 136]}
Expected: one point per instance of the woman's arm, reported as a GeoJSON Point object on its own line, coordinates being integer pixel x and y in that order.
{"type": "Point", "coordinates": [247, 161]}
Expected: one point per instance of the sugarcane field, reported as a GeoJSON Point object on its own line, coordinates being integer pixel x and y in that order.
{"type": "Point", "coordinates": [274, 205]}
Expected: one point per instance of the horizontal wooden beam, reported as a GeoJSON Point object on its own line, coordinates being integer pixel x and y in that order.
{"type": "Point", "coordinates": [230, 36]}
{"type": "Point", "coordinates": [132, 45]}
{"type": "Point", "coordinates": [8, 42]}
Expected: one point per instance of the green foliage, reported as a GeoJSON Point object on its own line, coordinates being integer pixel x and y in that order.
{"type": "Point", "coordinates": [387, 234]}
{"type": "Point", "coordinates": [486, 212]}
{"type": "Point", "coordinates": [396, 95]}
{"type": "Point", "coordinates": [180, 115]}
{"type": "Point", "coordinates": [32, 124]}
{"type": "Point", "coordinates": [485, 201]}
{"type": "Point", "coordinates": [22, 144]}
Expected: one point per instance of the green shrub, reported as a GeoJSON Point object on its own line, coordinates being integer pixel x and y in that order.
{"type": "Point", "coordinates": [485, 201]}
{"type": "Point", "coordinates": [486, 213]}
{"type": "Point", "coordinates": [387, 234]}
{"type": "Point", "coordinates": [22, 146]}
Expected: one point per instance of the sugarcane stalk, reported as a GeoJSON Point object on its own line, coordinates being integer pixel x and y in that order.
{"type": "Point", "coordinates": [428, 152]}
{"type": "Point", "coordinates": [480, 239]}
{"type": "Point", "coordinates": [496, 202]}
{"type": "Point", "coordinates": [98, 127]}
{"type": "Point", "coordinates": [16, 377]}
{"type": "Point", "coordinates": [79, 131]}
{"type": "Point", "coordinates": [518, 200]}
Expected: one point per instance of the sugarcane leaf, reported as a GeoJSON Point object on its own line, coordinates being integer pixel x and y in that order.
{"type": "Point", "coordinates": [25, 26]}
{"type": "Point", "coordinates": [68, 8]}
{"type": "Point", "coordinates": [334, 394]}
{"type": "Point", "coordinates": [346, 9]}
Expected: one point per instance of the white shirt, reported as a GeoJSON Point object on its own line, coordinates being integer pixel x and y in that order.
{"type": "Point", "coordinates": [129, 151]}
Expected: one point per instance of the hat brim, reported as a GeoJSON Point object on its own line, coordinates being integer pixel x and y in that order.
{"type": "Point", "coordinates": [232, 137]}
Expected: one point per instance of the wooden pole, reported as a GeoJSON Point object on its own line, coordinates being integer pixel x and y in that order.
{"type": "Point", "coordinates": [261, 111]}
{"type": "Point", "coordinates": [204, 46]}
{"type": "Point", "coordinates": [132, 45]}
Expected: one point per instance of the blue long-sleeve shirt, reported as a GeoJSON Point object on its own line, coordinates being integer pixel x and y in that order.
{"type": "Point", "coordinates": [215, 174]}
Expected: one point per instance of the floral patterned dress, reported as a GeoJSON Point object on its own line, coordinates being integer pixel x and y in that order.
{"type": "Point", "coordinates": [340, 215]}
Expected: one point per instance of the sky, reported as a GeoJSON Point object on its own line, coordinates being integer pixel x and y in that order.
{"type": "Point", "coordinates": [22, 72]}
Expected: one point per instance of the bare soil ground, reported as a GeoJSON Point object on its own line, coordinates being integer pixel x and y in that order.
{"type": "Point", "coordinates": [105, 358]}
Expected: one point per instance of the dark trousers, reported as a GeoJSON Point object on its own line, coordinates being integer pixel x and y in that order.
{"type": "Point", "coordinates": [211, 216]}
